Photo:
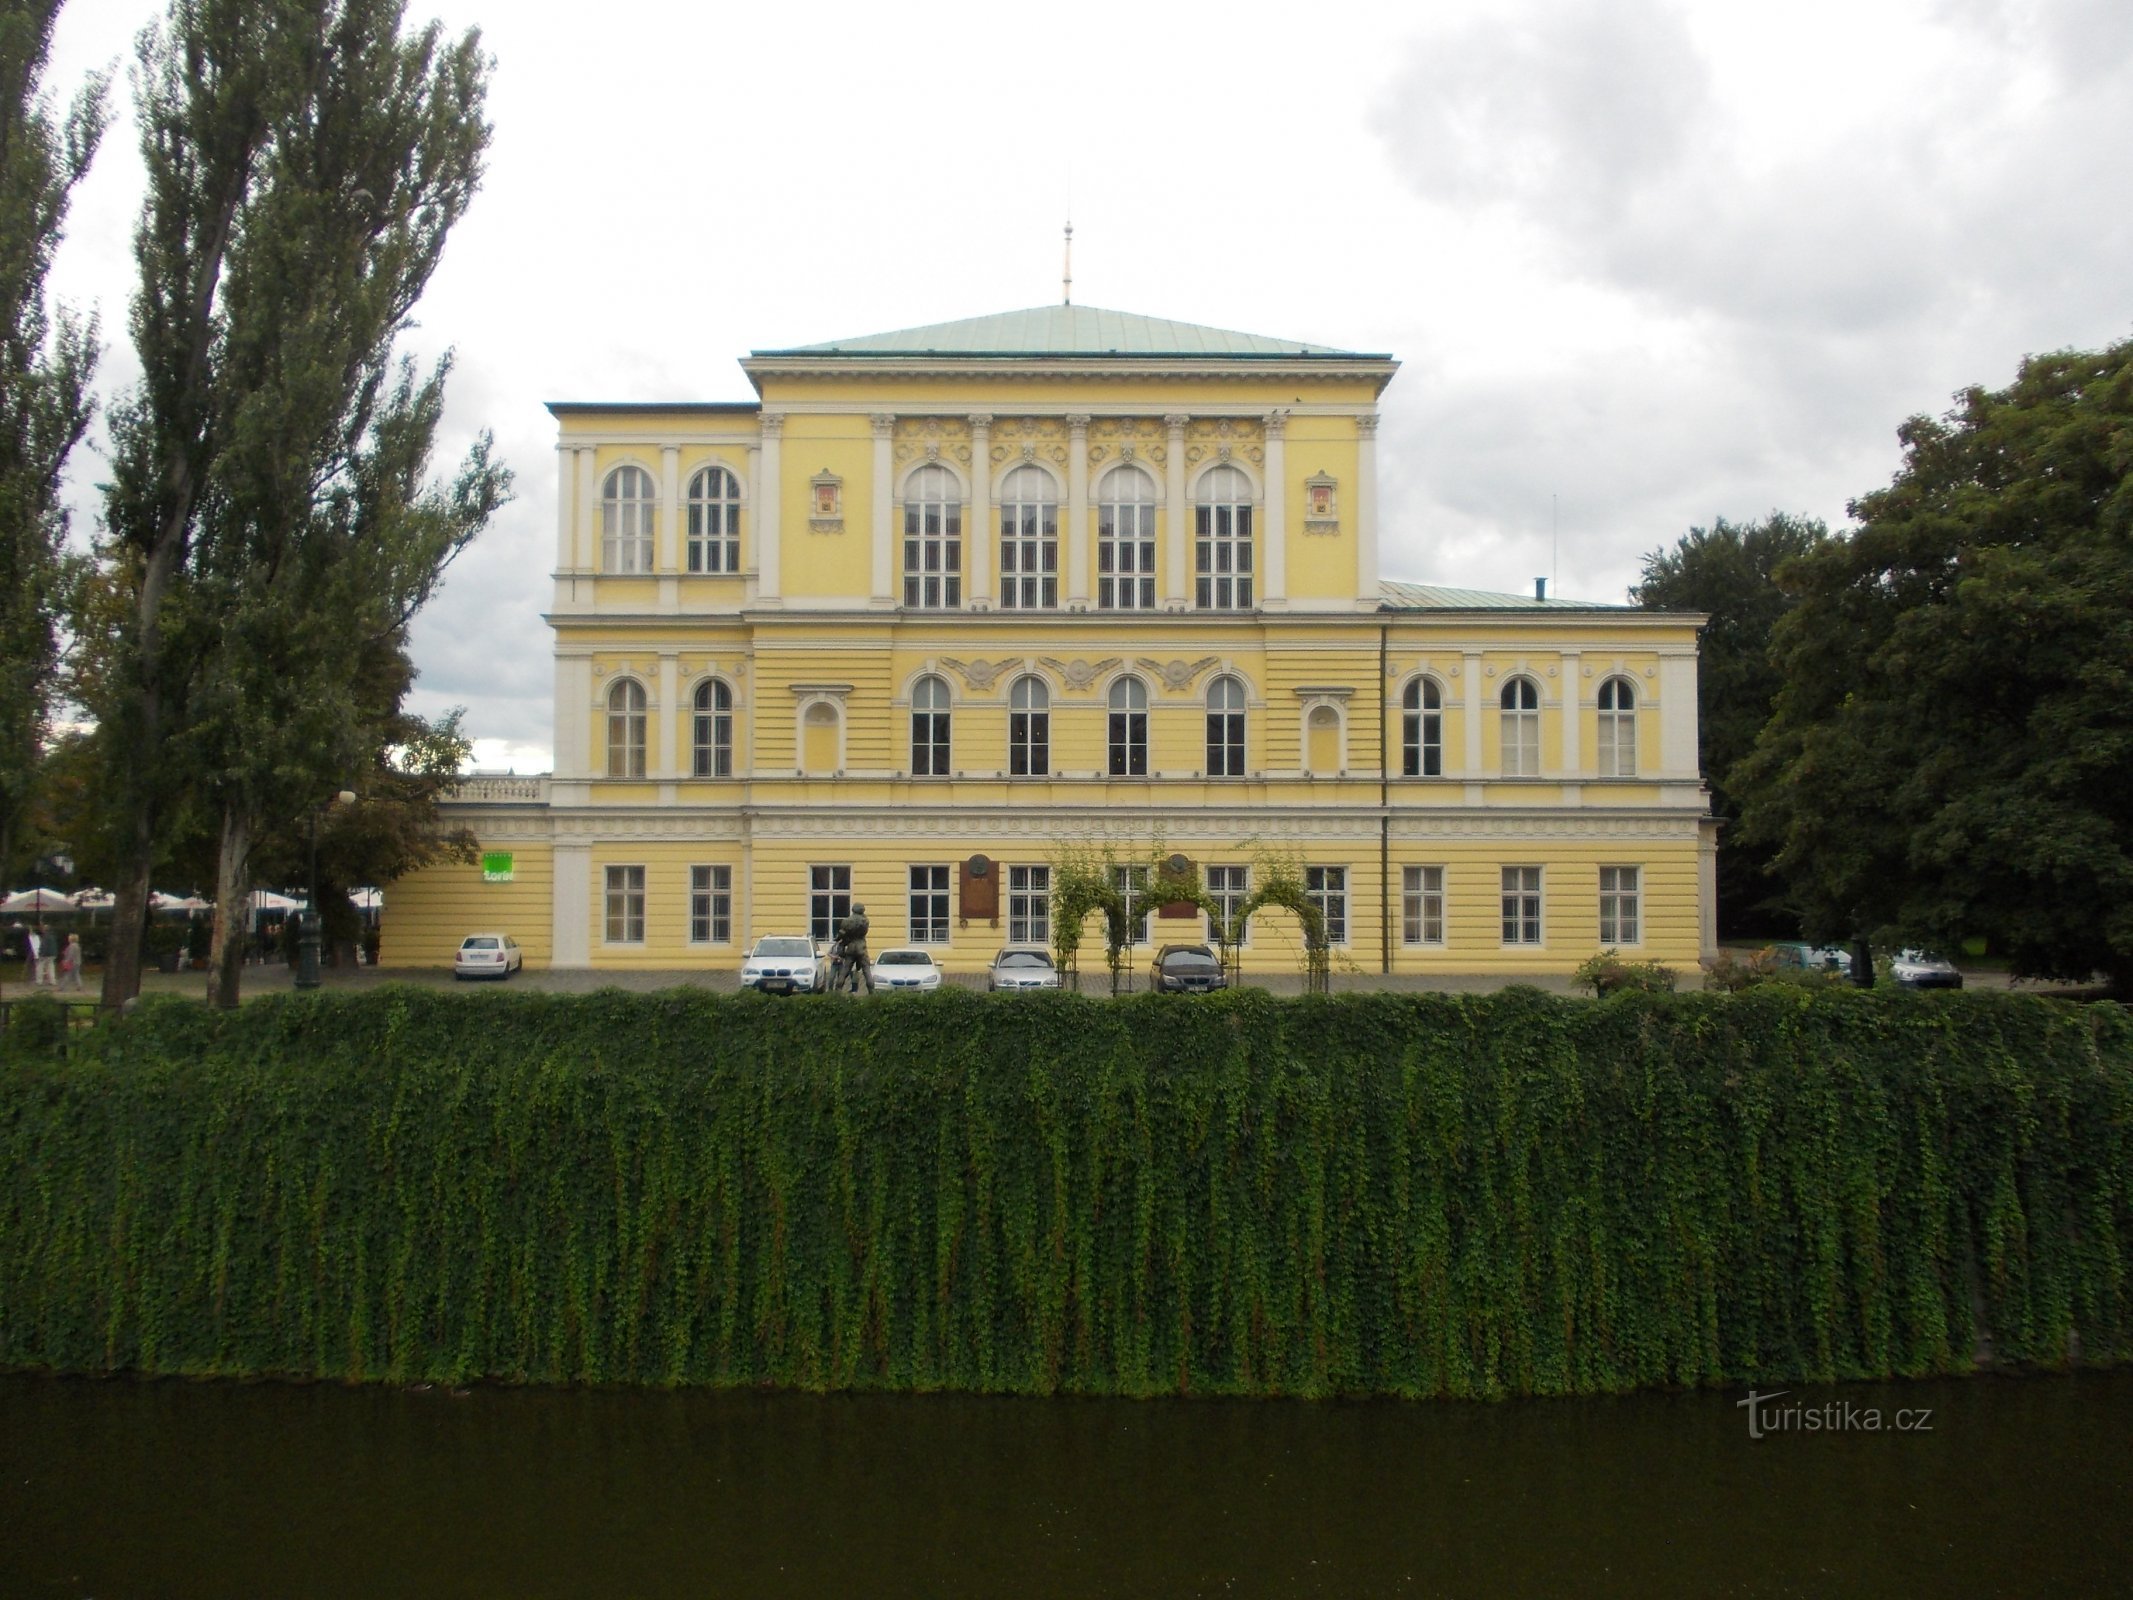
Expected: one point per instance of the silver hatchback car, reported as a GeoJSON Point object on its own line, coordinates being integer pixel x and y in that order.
{"type": "Point", "coordinates": [1014, 971]}
{"type": "Point", "coordinates": [487, 955]}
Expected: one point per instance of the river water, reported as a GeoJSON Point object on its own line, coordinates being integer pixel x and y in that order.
{"type": "Point", "coordinates": [2016, 1487]}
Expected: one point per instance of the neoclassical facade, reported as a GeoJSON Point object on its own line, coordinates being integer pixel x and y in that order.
{"type": "Point", "coordinates": [943, 605]}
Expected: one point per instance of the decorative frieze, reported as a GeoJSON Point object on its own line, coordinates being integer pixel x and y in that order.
{"type": "Point", "coordinates": [932, 439]}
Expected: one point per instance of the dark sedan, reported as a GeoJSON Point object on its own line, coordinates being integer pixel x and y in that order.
{"type": "Point", "coordinates": [1186, 969]}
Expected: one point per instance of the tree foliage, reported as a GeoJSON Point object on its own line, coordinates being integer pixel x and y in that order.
{"type": "Point", "coordinates": [1952, 753]}
{"type": "Point", "coordinates": [1729, 572]}
{"type": "Point", "coordinates": [46, 360]}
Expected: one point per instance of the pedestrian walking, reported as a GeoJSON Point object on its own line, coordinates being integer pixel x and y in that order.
{"type": "Point", "coordinates": [47, 960]}
{"type": "Point", "coordinates": [70, 963]}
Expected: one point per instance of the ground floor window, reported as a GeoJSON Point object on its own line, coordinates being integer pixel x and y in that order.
{"type": "Point", "coordinates": [929, 905]}
{"type": "Point", "coordinates": [1327, 888]}
{"type": "Point", "coordinates": [1132, 884]}
{"type": "Point", "coordinates": [829, 900]}
{"type": "Point", "coordinates": [1422, 905]}
{"type": "Point", "coordinates": [1618, 905]}
{"type": "Point", "coordinates": [1521, 905]}
{"type": "Point", "coordinates": [625, 905]}
{"type": "Point", "coordinates": [1029, 905]}
{"type": "Point", "coordinates": [711, 905]}
{"type": "Point", "coordinates": [1228, 887]}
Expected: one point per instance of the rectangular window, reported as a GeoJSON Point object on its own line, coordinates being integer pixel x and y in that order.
{"type": "Point", "coordinates": [710, 905]}
{"type": "Point", "coordinates": [1618, 905]}
{"type": "Point", "coordinates": [1521, 905]}
{"type": "Point", "coordinates": [1029, 905]}
{"type": "Point", "coordinates": [929, 905]}
{"type": "Point", "coordinates": [1130, 882]}
{"type": "Point", "coordinates": [1222, 557]}
{"type": "Point", "coordinates": [625, 905]}
{"type": "Point", "coordinates": [1228, 887]}
{"type": "Point", "coordinates": [1327, 888]}
{"type": "Point", "coordinates": [829, 900]}
{"type": "Point", "coordinates": [1422, 905]}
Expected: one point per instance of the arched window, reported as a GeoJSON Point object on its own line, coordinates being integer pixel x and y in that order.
{"type": "Point", "coordinates": [929, 729]}
{"type": "Point", "coordinates": [1129, 729]}
{"type": "Point", "coordinates": [1029, 540]}
{"type": "Point", "coordinates": [625, 730]}
{"type": "Point", "coordinates": [1225, 728]}
{"type": "Point", "coordinates": [1422, 730]}
{"type": "Point", "coordinates": [1222, 541]}
{"type": "Point", "coordinates": [1029, 729]}
{"type": "Point", "coordinates": [714, 521]}
{"type": "Point", "coordinates": [933, 539]}
{"type": "Point", "coordinates": [1125, 541]}
{"type": "Point", "coordinates": [714, 730]}
{"type": "Point", "coordinates": [1521, 729]}
{"type": "Point", "coordinates": [626, 510]}
{"type": "Point", "coordinates": [1618, 729]}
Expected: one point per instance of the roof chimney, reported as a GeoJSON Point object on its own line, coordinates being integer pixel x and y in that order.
{"type": "Point", "coordinates": [1540, 588]}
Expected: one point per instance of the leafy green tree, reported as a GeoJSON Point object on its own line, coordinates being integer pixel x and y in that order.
{"type": "Point", "coordinates": [269, 512]}
{"type": "Point", "coordinates": [1729, 572]}
{"type": "Point", "coordinates": [46, 360]}
{"type": "Point", "coordinates": [1952, 752]}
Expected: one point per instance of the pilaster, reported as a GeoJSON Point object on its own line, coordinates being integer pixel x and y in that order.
{"type": "Point", "coordinates": [1177, 515]}
{"type": "Point", "coordinates": [666, 549]}
{"type": "Point", "coordinates": [765, 467]}
{"type": "Point", "coordinates": [1077, 510]}
{"type": "Point", "coordinates": [587, 543]}
{"type": "Point", "coordinates": [671, 718]}
{"type": "Point", "coordinates": [977, 541]}
{"type": "Point", "coordinates": [1573, 716]}
{"type": "Point", "coordinates": [884, 424]}
{"type": "Point", "coordinates": [570, 930]}
{"type": "Point", "coordinates": [1366, 509]}
{"type": "Point", "coordinates": [1274, 563]}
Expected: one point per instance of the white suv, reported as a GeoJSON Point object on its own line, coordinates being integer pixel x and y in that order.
{"type": "Point", "coordinates": [783, 963]}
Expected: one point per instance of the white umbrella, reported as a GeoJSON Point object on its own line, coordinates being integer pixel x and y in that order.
{"type": "Point", "coordinates": [37, 900]}
{"type": "Point", "coordinates": [95, 900]}
{"type": "Point", "coordinates": [367, 899]}
{"type": "Point", "coordinates": [268, 900]}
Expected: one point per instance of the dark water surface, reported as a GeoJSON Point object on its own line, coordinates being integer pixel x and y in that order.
{"type": "Point", "coordinates": [2021, 1487]}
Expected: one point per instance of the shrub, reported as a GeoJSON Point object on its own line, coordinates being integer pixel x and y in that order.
{"type": "Point", "coordinates": [1607, 973]}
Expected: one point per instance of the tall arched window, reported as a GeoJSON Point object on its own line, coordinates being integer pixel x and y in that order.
{"type": "Point", "coordinates": [929, 729]}
{"type": "Point", "coordinates": [714, 521]}
{"type": "Point", "coordinates": [1029, 729]}
{"type": "Point", "coordinates": [1618, 729]}
{"type": "Point", "coordinates": [713, 730]}
{"type": "Point", "coordinates": [1125, 541]}
{"type": "Point", "coordinates": [625, 730]}
{"type": "Point", "coordinates": [1422, 730]}
{"type": "Point", "coordinates": [626, 509]}
{"type": "Point", "coordinates": [1225, 728]}
{"type": "Point", "coordinates": [1521, 729]}
{"type": "Point", "coordinates": [933, 539]}
{"type": "Point", "coordinates": [1029, 540]}
{"type": "Point", "coordinates": [1222, 541]}
{"type": "Point", "coordinates": [1129, 729]}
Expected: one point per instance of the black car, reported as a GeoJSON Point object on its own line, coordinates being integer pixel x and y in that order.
{"type": "Point", "coordinates": [1186, 969]}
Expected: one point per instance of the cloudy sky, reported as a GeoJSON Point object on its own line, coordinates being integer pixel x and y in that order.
{"type": "Point", "coordinates": [1646, 262]}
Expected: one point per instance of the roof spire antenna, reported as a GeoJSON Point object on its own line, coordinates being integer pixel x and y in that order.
{"type": "Point", "coordinates": [1067, 284]}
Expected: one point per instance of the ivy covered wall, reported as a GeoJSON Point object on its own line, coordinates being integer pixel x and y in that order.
{"type": "Point", "coordinates": [1395, 1194]}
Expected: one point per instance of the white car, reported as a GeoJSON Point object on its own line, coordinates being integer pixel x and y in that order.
{"type": "Point", "coordinates": [783, 963]}
{"type": "Point", "coordinates": [1015, 970]}
{"type": "Point", "coordinates": [906, 968]}
{"type": "Point", "coordinates": [1917, 969]}
{"type": "Point", "coordinates": [487, 955]}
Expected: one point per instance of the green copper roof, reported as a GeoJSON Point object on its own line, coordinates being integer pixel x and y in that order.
{"type": "Point", "coordinates": [1433, 597]}
{"type": "Point", "coordinates": [1068, 331]}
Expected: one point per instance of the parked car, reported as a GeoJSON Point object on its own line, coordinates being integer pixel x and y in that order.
{"type": "Point", "coordinates": [784, 963]}
{"type": "Point", "coordinates": [1015, 970]}
{"type": "Point", "coordinates": [1793, 956]}
{"type": "Point", "coordinates": [906, 967]}
{"type": "Point", "coordinates": [1186, 969]}
{"type": "Point", "coordinates": [1917, 969]}
{"type": "Point", "coordinates": [487, 955]}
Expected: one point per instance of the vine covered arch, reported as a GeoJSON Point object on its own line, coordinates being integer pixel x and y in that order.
{"type": "Point", "coordinates": [1281, 885]}
{"type": "Point", "coordinates": [1082, 883]}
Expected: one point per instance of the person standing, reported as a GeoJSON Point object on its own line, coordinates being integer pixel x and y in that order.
{"type": "Point", "coordinates": [47, 975]}
{"type": "Point", "coordinates": [70, 963]}
{"type": "Point", "coordinates": [29, 956]}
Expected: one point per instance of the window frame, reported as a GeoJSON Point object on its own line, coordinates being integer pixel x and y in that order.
{"type": "Point", "coordinates": [1621, 901]}
{"type": "Point", "coordinates": [623, 904]}
{"type": "Point", "coordinates": [1028, 533]}
{"type": "Point", "coordinates": [1229, 895]}
{"type": "Point", "coordinates": [714, 522]}
{"type": "Point", "coordinates": [711, 730]}
{"type": "Point", "coordinates": [1327, 888]}
{"type": "Point", "coordinates": [1222, 533]}
{"type": "Point", "coordinates": [932, 730]}
{"type": "Point", "coordinates": [1226, 728]}
{"type": "Point", "coordinates": [829, 894]}
{"type": "Point", "coordinates": [1524, 721]}
{"type": "Point", "coordinates": [628, 730]}
{"type": "Point", "coordinates": [1029, 906]}
{"type": "Point", "coordinates": [1126, 728]}
{"type": "Point", "coordinates": [944, 540]}
{"type": "Point", "coordinates": [1131, 882]}
{"type": "Point", "coordinates": [1616, 751]}
{"type": "Point", "coordinates": [628, 521]}
{"type": "Point", "coordinates": [710, 904]}
{"type": "Point", "coordinates": [930, 925]}
{"type": "Point", "coordinates": [1531, 910]}
{"type": "Point", "coordinates": [1422, 728]}
{"type": "Point", "coordinates": [1029, 728]}
{"type": "Point", "coordinates": [1126, 550]}
{"type": "Point", "coordinates": [1422, 906]}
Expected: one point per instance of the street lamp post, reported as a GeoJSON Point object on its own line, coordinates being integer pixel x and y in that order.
{"type": "Point", "coordinates": [307, 924]}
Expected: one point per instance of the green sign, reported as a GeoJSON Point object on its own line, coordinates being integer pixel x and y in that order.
{"type": "Point", "coordinates": [496, 866]}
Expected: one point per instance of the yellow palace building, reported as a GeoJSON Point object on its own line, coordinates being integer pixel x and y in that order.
{"type": "Point", "coordinates": [945, 606]}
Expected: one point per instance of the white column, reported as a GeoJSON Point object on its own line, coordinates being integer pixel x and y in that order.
{"type": "Point", "coordinates": [566, 505]}
{"type": "Point", "coordinates": [1366, 510]}
{"type": "Point", "coordinates": [1274, 565]}
{"type": "Point", "coordinates": [977, 539]}
{"type": "Point", "coordinates": [768, 531]}
{"type": "Point", "coordinates": [884, 507]}
{"type": "Point", "coordinates": [570, 934]}
{"type": "Point", "coordinates": [1177, 515]}
{"type": "Point", "coordinates": [1573, 717]}
{"type": "Point", "coordinates": [1077, 510]}
{"type": "Point", "coordinates": [671, 717]}
{"type": "Point", "coordinates": [667, 552]}
{"type": "Point", "coordinates": [588, 540]}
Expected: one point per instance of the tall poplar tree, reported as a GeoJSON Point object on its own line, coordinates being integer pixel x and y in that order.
{"type": "Point", "coordinates": [45, 363]}
{"type": "Point", "coordinates": [269, 514]}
